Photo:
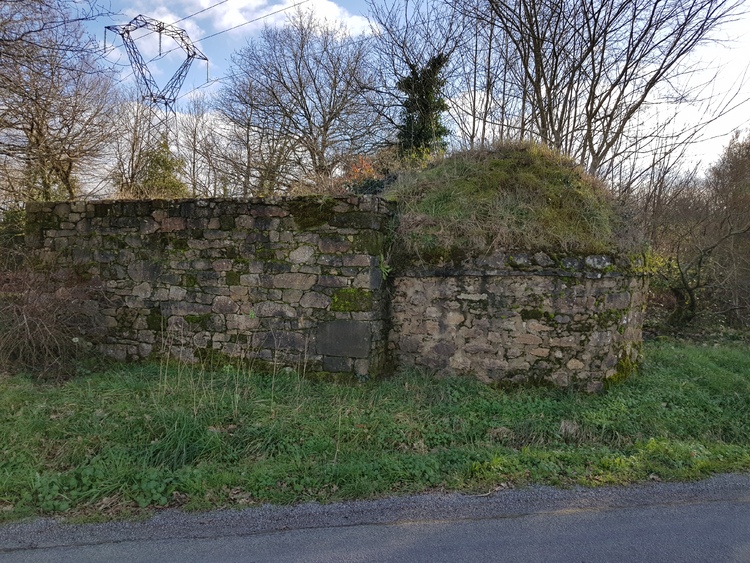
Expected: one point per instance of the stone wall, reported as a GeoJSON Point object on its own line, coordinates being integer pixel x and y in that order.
{"type": "Point", "coordinates": [292, 281]}
{"type": "Point", "coordinates": [299, 282]}
{"type": "Point", "coordinates": [521, 318]}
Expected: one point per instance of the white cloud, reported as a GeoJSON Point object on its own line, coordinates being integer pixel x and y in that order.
{"type": "Point", "coordinates": [255, 14]}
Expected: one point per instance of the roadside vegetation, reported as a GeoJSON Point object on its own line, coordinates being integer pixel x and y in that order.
{"type": "Point", "coordinates": [123, 441]}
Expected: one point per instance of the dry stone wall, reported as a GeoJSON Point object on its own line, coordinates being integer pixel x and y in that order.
{"type": "Point", "coordinates": [291, 281]}
{"type": "Point", "coordinates": [522, 318]}
{"type": "Point", "coordinates": [300, 282]}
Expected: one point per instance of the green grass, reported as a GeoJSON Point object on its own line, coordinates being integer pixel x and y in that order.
{"type": "Point", "coordinates": [118, 443]}
{"type": "Point", "coordinates": [521, 196]}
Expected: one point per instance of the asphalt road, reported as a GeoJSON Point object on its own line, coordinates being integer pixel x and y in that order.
{"type": "Point", "coordinates": [660, 522]}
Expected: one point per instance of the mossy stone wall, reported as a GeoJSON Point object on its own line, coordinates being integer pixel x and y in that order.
{"type": "Point", "coordinates": [299, 282]}
{"type": "Point", "coordinates": [522, 318]}
{"type": "Point", "coordinates": [295, 281]}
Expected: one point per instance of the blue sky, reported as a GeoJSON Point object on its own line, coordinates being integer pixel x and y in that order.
{"type": "Point", "coordinates": [723, 67]}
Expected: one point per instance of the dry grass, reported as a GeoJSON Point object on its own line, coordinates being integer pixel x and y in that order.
{"type": "Point", "coordinates": [43, 331]}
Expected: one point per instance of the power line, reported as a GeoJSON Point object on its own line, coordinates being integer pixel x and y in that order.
{"type": "Point", "coordinates": [201, 11]}
{"type": "Point", "coordinates": [211, 7]}
{"type": "Point", "coordinates": [280, 10]}
{"type": "Point", "coordinates": [254, 20]}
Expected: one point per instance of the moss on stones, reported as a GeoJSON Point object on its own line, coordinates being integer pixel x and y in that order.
{"type": "Point", "coordinates": [351, 299]}
{"type": "Point", "coordinates": [226, 222]}
{"type": "Point", "coordinates": [155, 321]}
{"type": "Point", "coordinates": [626, 366]}
{"type": "Point", "coordinates": [202, 321]}
{"type": "Point", "coordinates": [179, 243]}
{"type": "Point", "coordinates": [311, 212]}
{"type": "Point", "coordinates": [265, 254]}
{"type": "Point", "coordinates": [369, 242]}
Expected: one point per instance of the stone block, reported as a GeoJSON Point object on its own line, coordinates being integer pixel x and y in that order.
{"type": "Point", "coordinates": [518, 364]}
{"type": "Point", "coordinates": [543, 260]}
{"type": "Point", "coordinates": [176, 293]}
{"type": "Point", "coordinates": [242, 323]}
{"type": "Point", "coordinates": [294, 281]}
{"type": "Point", "coordinates": [273, 309]}
{"type": "Point", "coordinates": [171, 224]}
{"type": "Point", "coordinates": [142, 290]}
{"type": "Point", "coordinates": [531, 339]}
{"type": "Point", "coordinates": [344, 338]}
{"type": "Point", "coordinates": [334, 246]}
{"type": "Point", "coordinates": [617, 300]}
{"type": "Point", "coordinates": [358, 260]}
{"type": "Point", "coordinates": [224, 306]}
{"type": "Point", "coordinates": [362, 367]}
{"type": "Point", "coordinates": [302, 254]}
{"type": "Point", "coordinates": [336, 364]}
{"type": "Point", "coordinates": [459, 362]}
{"type": "Point", "coordinates": [574, 364]}
{"type": "Point", "coordinates": [536, 326]}
{"type": "Point", "coordinates": [332, 281]}
{"type": "Point", "coordinates": [315, 300]}
{"type": "Point", "coordinates": [480, 347]}
{"type": "Point", "coordinates": [222, 265]}
{"type": "Point", "coordinates": [564, 342]}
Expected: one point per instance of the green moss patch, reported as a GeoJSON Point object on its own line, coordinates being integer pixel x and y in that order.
{"type": "Point", "coordinates": [370, 242]}
{"type": "Point", "coordinates": [351, 299]}
{"type": "Point", "coordinates": [311, 212]}
{"type": "Point", "coordinates": [155, 321]}
{"type": "Point", "coordinates": [200, 321]}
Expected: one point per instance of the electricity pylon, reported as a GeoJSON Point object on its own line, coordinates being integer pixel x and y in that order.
{"type": "Point", "coordinates": [161, 101]}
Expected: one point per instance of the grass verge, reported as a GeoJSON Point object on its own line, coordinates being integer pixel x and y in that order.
{"type": "Point", "coordinates": [121, 442]}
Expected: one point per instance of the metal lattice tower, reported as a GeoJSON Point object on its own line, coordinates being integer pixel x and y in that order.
{"type": "Point", "coordinates": [160, 101]}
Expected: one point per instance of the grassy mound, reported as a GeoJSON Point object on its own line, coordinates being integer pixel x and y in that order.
{"type": "Point", "coordinates": [515, 197]}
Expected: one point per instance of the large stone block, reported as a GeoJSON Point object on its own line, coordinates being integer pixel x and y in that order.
{"type": "Point", "coordinates": [350, 339]}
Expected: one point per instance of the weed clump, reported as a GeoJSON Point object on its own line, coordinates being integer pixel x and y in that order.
{"type": "Point", "coordinates": [43, 332]}
{"type": "Point", "coordinates": [514, 197]}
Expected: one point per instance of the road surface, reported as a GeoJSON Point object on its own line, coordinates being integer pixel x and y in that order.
{"type": "Point", "coordinates": [660, 522]}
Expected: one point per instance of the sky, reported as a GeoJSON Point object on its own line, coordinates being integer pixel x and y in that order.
{"type": "Point", "coordinates": [211, 31]}
{"type": "Point", "coordinates": [220, 27]}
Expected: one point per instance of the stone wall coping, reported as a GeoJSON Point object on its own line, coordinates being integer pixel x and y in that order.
{"type": "Point", "coordinates": [145, 207]}
{"type": "Point", "coordinates": [540, 264]}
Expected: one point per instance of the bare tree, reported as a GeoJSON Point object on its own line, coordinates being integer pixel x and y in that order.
{"type": "Point", "coordinates": [729, 182]}
{"type": "Point", "coordinates": [704, 237]}
{"type": "Point", "coordinates": [27, 25]}
{"type": "Point", "coordinates": [256, 149]}
{"type": "Point", "coordinates": [198, 147]}
{"type": "Point", "coordinates": [54, 100]}
{"type": "Point", "coordinates": [130, 146]}
{"type": "Point", "coordinates": [141, 168]}
{"type": "Point", "coordinates": [486, 93]}
{"type": "Point", "coordinates": [591, 67]}
{"type": "Point", "coordinates": [305, 82]}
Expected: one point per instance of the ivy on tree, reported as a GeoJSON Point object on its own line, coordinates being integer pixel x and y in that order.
{"type": "Point", "coordinates": [421, 130]}
{"type": "Point", "coordinates": [159, 176]}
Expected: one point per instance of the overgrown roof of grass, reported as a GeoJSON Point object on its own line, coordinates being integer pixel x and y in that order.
{"type": "Point", "coordinates": [515, 197]}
